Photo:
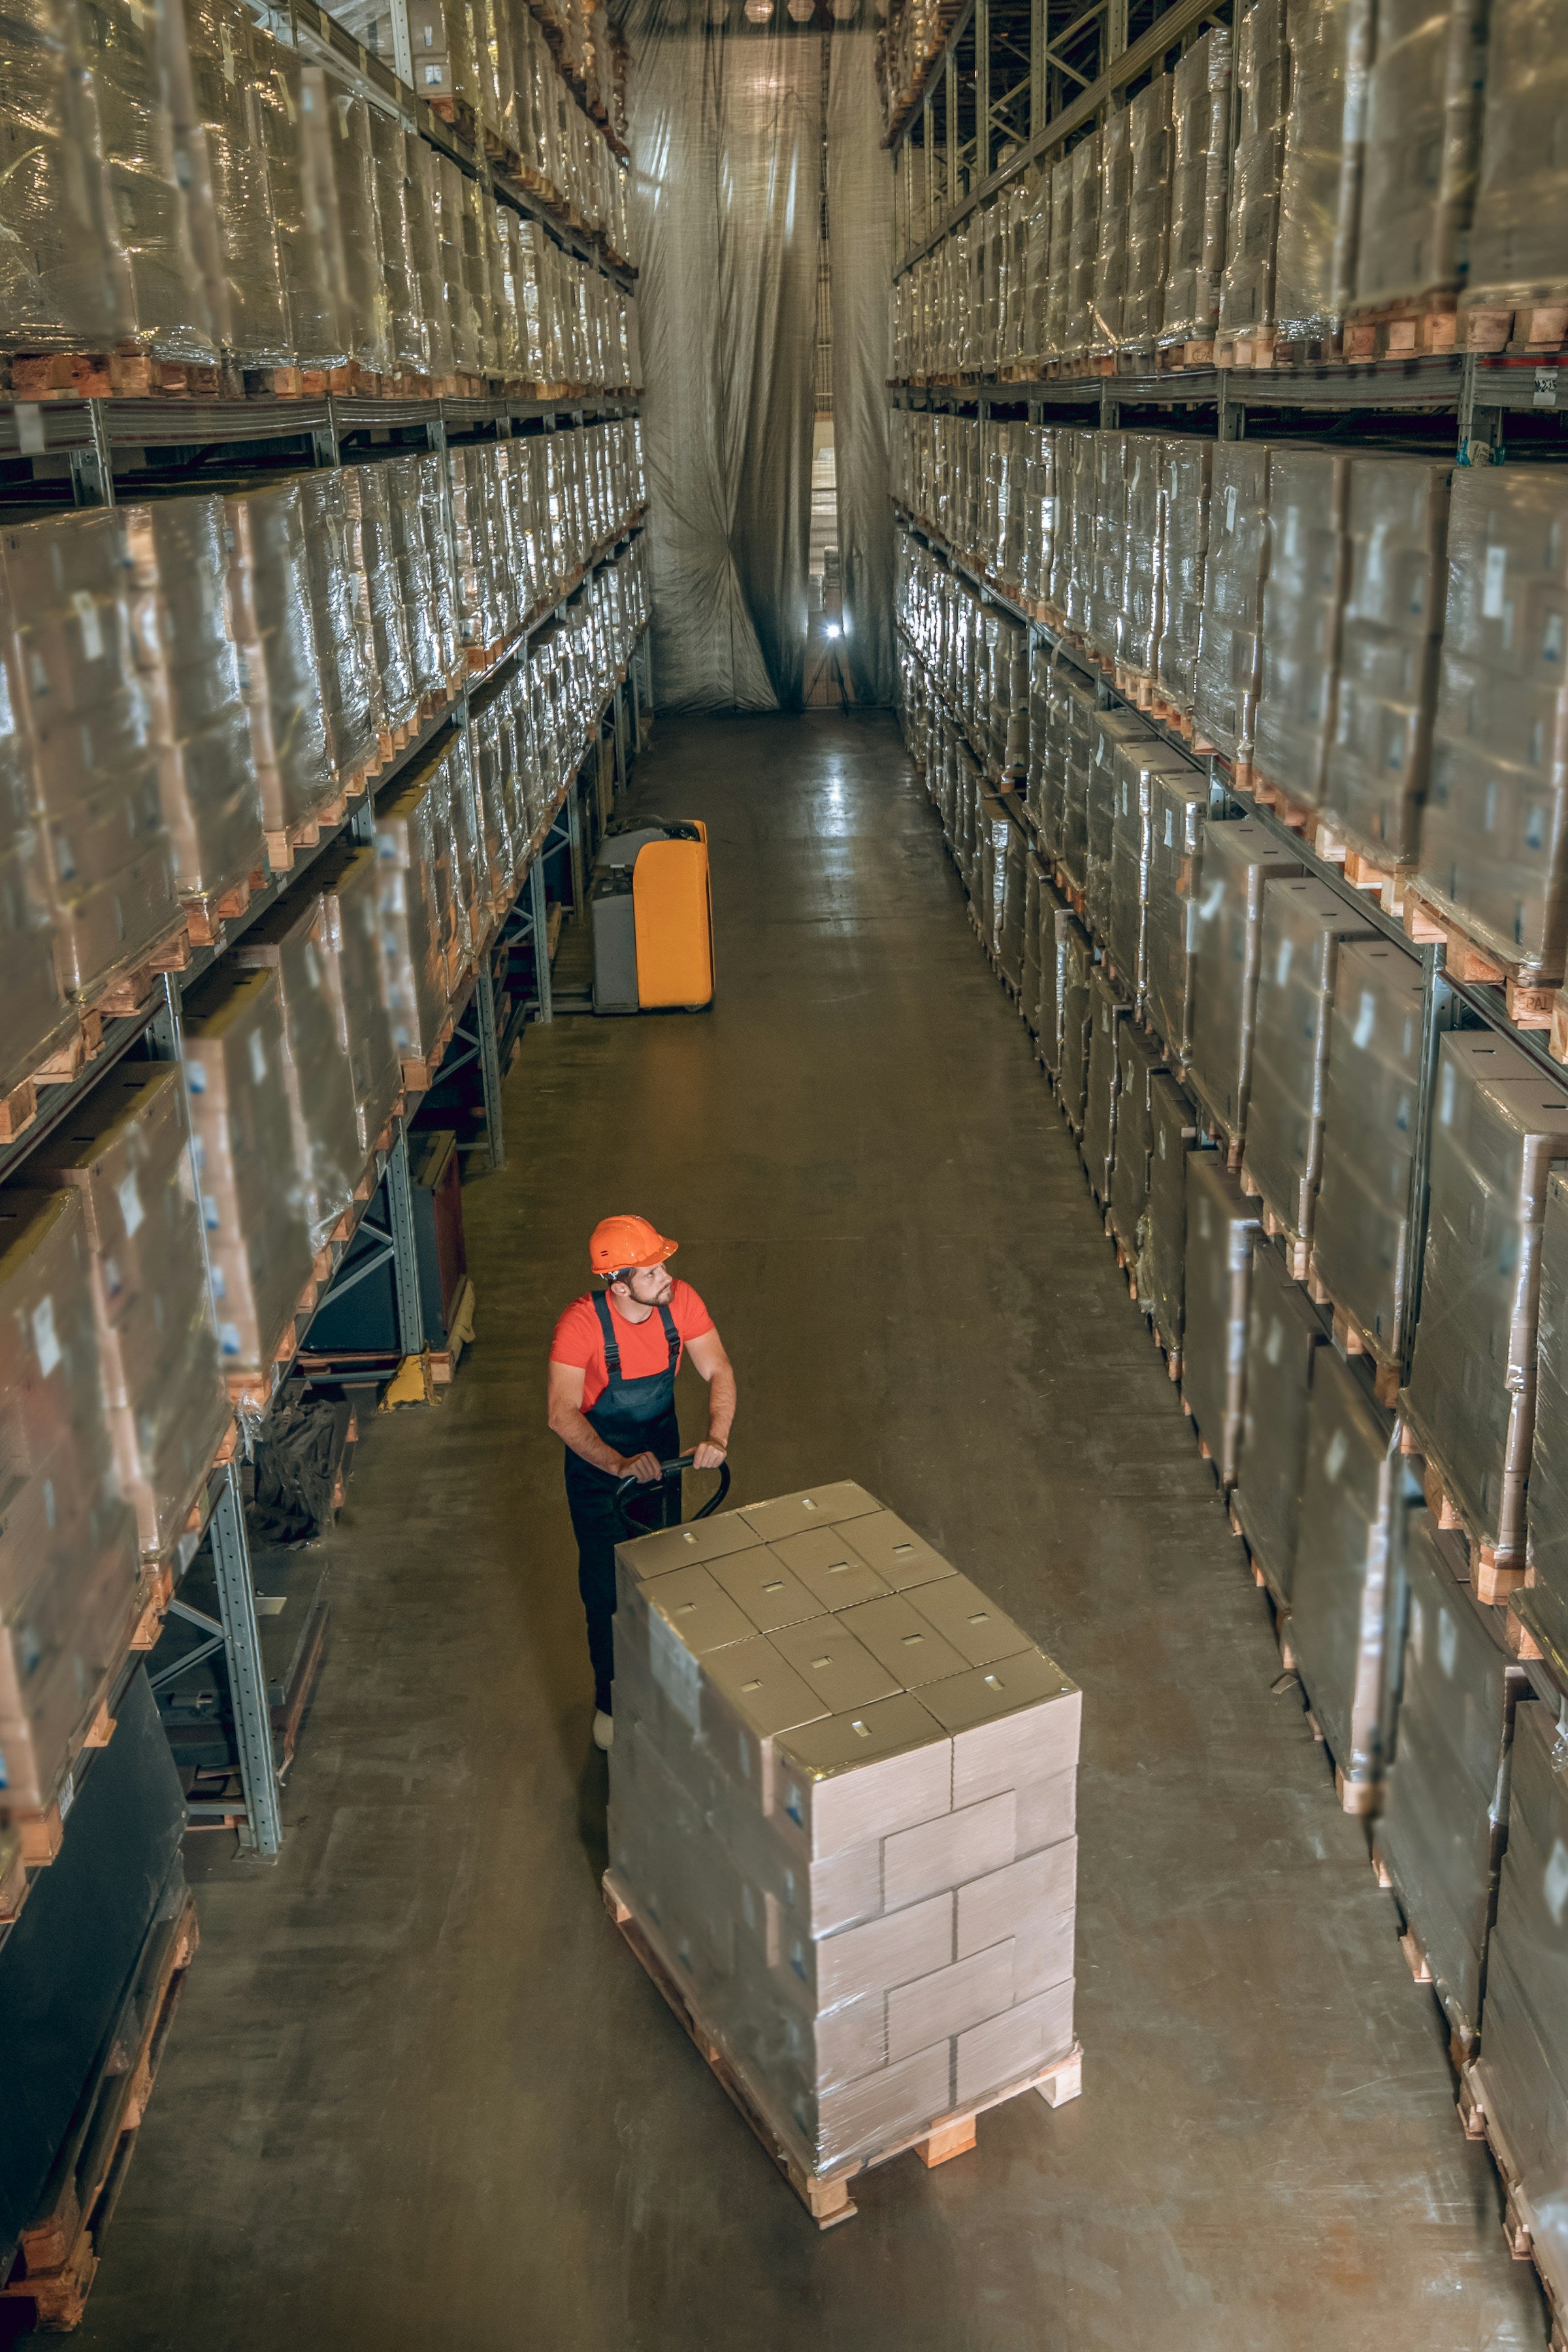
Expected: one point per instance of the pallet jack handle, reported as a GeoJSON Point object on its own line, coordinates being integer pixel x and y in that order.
{"type": "Point", "coordinates": [668, 1469]}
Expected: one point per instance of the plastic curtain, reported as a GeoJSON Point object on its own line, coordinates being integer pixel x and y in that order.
{"type": "Point", "coordinates": [861, 255]}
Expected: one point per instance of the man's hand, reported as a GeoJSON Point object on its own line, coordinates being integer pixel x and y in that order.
{"type": "Point", "coordinates": [644, 1468]}
{"type": "Point", "coordinates": [708, 1456]}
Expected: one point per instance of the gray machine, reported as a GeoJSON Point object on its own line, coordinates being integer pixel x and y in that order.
{"type": "Point", "coordinates": [613, 910]}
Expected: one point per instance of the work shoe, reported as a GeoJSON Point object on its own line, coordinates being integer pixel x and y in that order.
{"type": "Point", "coordinates": [604, 1729]}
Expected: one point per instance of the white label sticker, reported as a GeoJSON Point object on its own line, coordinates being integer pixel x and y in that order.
{"type": "Point", "coordinates": [68, 1794]}
{"type": "Point", "coordinates": [91, 629]}
{"type": "Point", "coordinates": [1365, 1020]}
{"type": "Point", "coordinates": [29, 418]}
{"type": "Point", "coordinates": [44, 1337]}
{"type": "Point", "coordinates": [1447, 1644]}
{"type": "Point", "coordinates": [1335, 1459]}
{"type": "Point", "coordinates": [1282, 963]}
{"type": "Point", "coordinates": [1554, 1886]}
{"type": "Point", "coordinates": [1230, 508]}
{"type": "Point", "coordinates": [1492, 584]}
{"type": "Point", "coordinates": [675, 1670]}
{"type": "Point", "coordinates": [257, 1057]}
{"type": "Point", "coordinates": [1417, 1630]}
{"type": "Point", "coordinates": [130, 1201]}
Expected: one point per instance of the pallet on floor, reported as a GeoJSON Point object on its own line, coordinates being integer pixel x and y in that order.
{"type": "Point", "coordinates": [1464, 2031]}
{"type": "Point", "coordinates": [1525, 2242]}
{"type": "Point", "coordinates": [1493, 1583]}
{"type": "Point", "coordinates": [1529, 994]}
{"type": "Point", "coordinates": [826, 2196]}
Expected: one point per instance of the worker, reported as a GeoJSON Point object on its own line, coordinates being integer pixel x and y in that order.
{"type": "Point", "coordinates": [612, 1362]}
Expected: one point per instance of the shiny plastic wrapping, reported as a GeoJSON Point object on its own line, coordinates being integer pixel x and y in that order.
{"type": "Point", "coordinates": [406, 344]}
{"type": "Point", "coordinates": [191, 675]}
{"type": "Point", "coordinates": [1110, 258]}
{"type": "Point", "coordinates": [1048, 748]}
{"type": "Point", "coordinates": [1497, 1129]}
{"type": "Point", "coordinates": [1144, 512]}
{"type": "Point", "coordinates": [270, 604]}
{"type": "Point", "coordinates": [418, 533]}
{"type": "Point", "coordinates": [1077, 1014]}
{"type": "Point", "coordinates": [363, 292]}
{"type": "Point", "coordinates": [222, 150]}
{"type": "Point", "coordinates": [253, 1198]}
{"type": "Point", "coordinates": [126, 1150]}
{"type": "Point", "coordinates": [36, 1009]}
{"type": "Point", "coordinates": [457, 274]}
{"type": "Point", "coordinates": [1340, 1591]}
{"type": "Point", "coordinates": [1304, 925]}
{"type": "Point", "coordinates": [1186, 465]}
{"type": "Point", "coordinates": [295, 938]}
{"type": "Point", "coordinates": [418, 915]}
{"type": "Point", "coordinates": [1361, 1232]}
{"type": "Point", "coordinates": [1230, 653]}
{"type": "Point", "coordinates": [1284, 1333]}
{"type": "Point", "coordinates": [135, 55]}
{"type": "Point", "coordinates": [1161, 1249]}
{"type": "Point", "coordinates": [1238, 861]}
{"type": "Point", "coordinates": [341, 616]}
{"type": "Point", "coordinates": [298, 130]}
{"type": "Point", "coordinates": [1140, 763]}
{"type": "Point", "coordinates": [1304, 606]}
{"type": "Point", "coordinates": [1380, 757]}
{"type": "Point", "coordinates": [1109, 1012]}
{"type": "Point", "coordinates": [69, 1590]}
{"type": "Point", "coordinates": [1105, 615]}
{"type": "Point", "coordinates": [1179, 801]}
{"type": "Point", "coordinates": [1320, 194]}
{"type": "Point", "coordinates": [1113, 732]}
{"type": "Point", "coordinates": [1262, 82]}
{"type": "Point", "coordinates": [1137, 1061]}
{"type": "Point", "coordinates": [1057, 922]}
{"type": "Point", "coordinates": [419, 162]}
{"type": "Point", "coordinates": [1148, 223]}
{"type": "Point", "coordinates": [1083, 246]}
{"type": "Point", "coordinates": [64, 284]}
{"type": "Point", "coordinates": [371, 492]}
{"type": "Point", "coordinates": [1080, 732]}
{"type": "Point", "coordinates": [1423, 148]}
{"type": "Point", "coordinates": [1494, 833]}
{"type": "Point", "coordinates": [1548, 1498]}
{"type": "Point", "coordinates": [88, 723]}
{"type": "Point", "coordinates": [1220, 1225]}
{"type": "Point", "coordinates": [1200, 185]}
{"type": "Point", "coordinates": [1517, 233]}
{"type": "Point", "coordinates": [1029, 977]}
{"type": "Point", "coordinates": [350, 892]}
{"type": "Point", "coordinates": [1010, 922]}
{"type": "Point", "coordinates": [1446, 1801]}
{"type": "Point", "coordinates": [873, 1915]}
{"type": "Point", "coordinates": [1054, 345]}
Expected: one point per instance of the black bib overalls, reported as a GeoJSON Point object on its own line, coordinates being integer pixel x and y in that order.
{"type": "Point", "coordinates": [635, 1416]}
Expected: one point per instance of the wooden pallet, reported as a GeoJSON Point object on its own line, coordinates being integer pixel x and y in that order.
{"type": "Point", "coordinates": [1529, 995]}
{"type": "Point", "coordinates": [129, 992]}
{"type": "Point", "coordinates": [1298, 1252]}
{"type": "Point", "coordinates": [1354, 1340]}
{"type": "Point", "coordinates": [1492, 1582]}
{"type": "Point", "coordinates": [105, 375]}
{"type": "Point", "coordinates": [1291, 810]}
{"type": "Point", "coordinates": [1463, 2034]}
{"type": "Point", "coordinates": [61, 2247]}
{"type": "Point", "coordinates": [1425, 324]}
{"type": "Point", "coordinates": [1382, 877]}
{"type": "Point", "coordinates": [826, 2196]}
{"type": "Point", "coordinates": [1193, 351]}
{"type": "Point", "coordinates": [1254, 349]}
{"type": "Point", "coordinates": [1479, 2122]}
{"type": "Point", "coordinates": [1536, 328]}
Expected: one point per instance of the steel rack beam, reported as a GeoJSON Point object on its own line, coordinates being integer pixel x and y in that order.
{"type": "Point", "coordinates": [246, 1677]}
{"type": "Point", "coordinates": [404, 1246]}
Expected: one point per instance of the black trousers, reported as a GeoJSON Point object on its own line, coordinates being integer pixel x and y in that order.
{"type": "Point", "coordinates": [599, 1524]}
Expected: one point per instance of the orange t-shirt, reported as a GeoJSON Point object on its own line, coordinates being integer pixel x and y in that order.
{"type": "Point", "coordinates": [645, 1350]}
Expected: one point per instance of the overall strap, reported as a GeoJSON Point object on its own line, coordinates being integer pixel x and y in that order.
{"type": "Point", "coordinates": [672, 1335]}
{"type": "Point", "coordinates": [612, 1352]}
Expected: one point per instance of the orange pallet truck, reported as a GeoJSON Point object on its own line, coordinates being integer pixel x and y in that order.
{"type": "Point", "coordinates": [652, 911]}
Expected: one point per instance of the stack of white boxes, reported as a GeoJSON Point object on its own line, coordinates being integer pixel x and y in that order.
{"type": "Point", "coordinates": [842, 1805]}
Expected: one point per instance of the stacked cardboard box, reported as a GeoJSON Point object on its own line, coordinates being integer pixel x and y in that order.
{"type": "Point", "coordinates": [1361, 1246]}
{"type": "Point", "coordinates": [1304, 923]}
{"type": "Point", "coordinates": [842, 1809]}
{"type": "Point", "coordinates": [1220, 1225]}
{"type": "Point", "coordinates": [296, 939]}
{"type": "Point", "coordinates": [1239, 860]}
{"type": "Point", "coordinates": [1339, 1588]}
{"type": "Point", "coordinates": [1284, 1333]}
{"type": "Point", "coordinates": [1163, 1248]}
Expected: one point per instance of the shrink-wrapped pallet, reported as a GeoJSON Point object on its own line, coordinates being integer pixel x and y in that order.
{"type": "Point", "coordinates": [1220, 1225]}
{"type": "Point", "coordinates": [1010, 920]}
{"type": "Point", "coordinates": [1262, 89]}
{"type": "Point", "coordinates": [64, 283]}
{"type": "Point", "coordinates": [1082, 715]}
{"type": "Point", "coordinates": [1238, 860]}
{"type": "Point", "coordinates": [406, 343]}
{"type": "Point", "coordinates": [1137, 1062]}
{"type": "Point", "coordinates": [270, 595]}
{"type": "Point", "coordinates": [1423, 148]}
{"type": "Point", "coordinates": [1178, 815]}
{"type": "Point", "coordinates": [1284, 1332]}
{"type": "Point", "coordinates": [1077, 1014]}
{"type": "Point", "coordinates": [1304, 925]}
{"type": "Point", "coordinates": [1319, 191]}
{"type": "Point", "coordinates": [1040, 512]}
{"type": "Point", "coordinates": [1109, 291]}
{"type": "Point", "coordinates": [191, 675]}
{"type": "Point", "coordinates": [1361, 1231]}
{"type": "Point", "coordinates": [1340, 1591]}
{"type": "Point", "coordinates": [1083, 246]}
{"type": "Point", "coordinates": [1047, 747]}
{"type": "Point", "coordinates": [1064, 174]}
{"type": "Point", "coordinates": [69, 1590]}
{"type": "Point", "coordinates": [223, 150]}
{"type": "Point", "coordinates": [1140, 764]}
{"type": "Point", "coordinates": [1150, 137]}
{"type": "Point", "coordinates": [1114, 732]}
{"type": "Point", "coordinates": [1445, 1807]}
{"type": "Point", "coordinates": [841, 1814]}
{"type": "Point", "coordinates": [342, 619]}
{"type": "Point", "coordinates": [413, 484]}
{"type": "Point", "coordinates": [1104, 616]}
{"type": "Point", "coordinates": [1057, 924]}
{"type": "Point", "coordinates": [1497, 1129]}
{"type": "Point", "coordinates": [35, 1008]}
{"type": "Point", "coordinates": [351, 884]}
{"type": "Point", "coordinates": [95, 767]}
{"type": "Point", "coordinates": [471, 476]}
{"type": "Point", "coordinates": [297, 131]}
{"type": "Point", "coordinates": [1200, 183]}
{"type": "Point", "coordinates": [294, 938]}
{"type": "Point", "coordinates": [1494, 833]}
{"type": "Point", "coordinates": [252, 1190]}
{"type": "Point", "coordinates": [1162, 1250]}
{"type": "Point", "coordinates": [369, 493]}
{"type": "Point", "coordinates": [1036, 272]}
{"type": "Point", "coordinates": [1230, 652]}
{"type": "Point", "coordinates": [1185, 467]}
{"type": "Point", "coordinates": [1377, 769]}
{"type": "Point", "coordinates": [1109, 1012]}
{"type": "Point", "coordinates": [1303, 602]}
{"type": "Point", "coordinates": [363, 293]}
{"type": "Point", "coordinates": [126, 1150]}
{"type": "Point", "coordinates": [424, 251]}
{"type": "Point", "coordinates": [418, 924]}
{"type": "Point", "coordinates": [1547, 1535]}
{"type": "Point", "coordinates": [1029, 978]}
{"type": "Point", "coordinates": [1519, 231]}
{"type": "Point", "coordinates": [135, 57]}
{"type": "Point", "coordinates": [1143, 521]}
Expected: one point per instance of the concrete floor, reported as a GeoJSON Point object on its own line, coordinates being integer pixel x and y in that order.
{"type": "Point", "coordinates": [419, 2093]}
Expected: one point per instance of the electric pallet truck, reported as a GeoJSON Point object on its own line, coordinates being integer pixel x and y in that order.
{"type": "Point", "coordinates": [652, 913]}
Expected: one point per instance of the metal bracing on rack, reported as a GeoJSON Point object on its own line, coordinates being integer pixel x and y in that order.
{"type": "Point", "coordinates": [404, 1246]}
{"type": "Point", "coordinates": [246, 1677]}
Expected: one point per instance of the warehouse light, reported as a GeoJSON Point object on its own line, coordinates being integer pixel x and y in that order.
{"type": "Point", "coordinates": [759, 11]}
{"type": "Point", "coordinates": [833, 628]}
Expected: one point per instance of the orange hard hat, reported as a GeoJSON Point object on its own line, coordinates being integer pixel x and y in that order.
{"type": "Point", "coordinates": [618, 1242]}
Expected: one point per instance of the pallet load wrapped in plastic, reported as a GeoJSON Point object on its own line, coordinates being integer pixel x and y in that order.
{"type": "Point", "coordinates": [1042, 793]}
{"type": "Point", "coordinates": [1340, 1589]}
{"type": "Point", "coordinates": [64, 287]}
{"type": "Point", "coordinates": [1010, 922]}
{"type": "Point", "coordinates": [1230, 648]}
{"type": "Point", "coordinates": [1494, 833]}
{"type": "Point", "coordinates": [1498, 1128]}
{"type": "Point", "coordinates": [1141, 762]}
{"type": "Point", "coordinates": [424, 569]}
{"type": "Point", "coordinates": [37, 1015]}
{"type": "Point", "coordinates": [1179, 804]}
{"type": "Point", "coordinates": [1110, 281]}
{"type": "Point", "coordinates": [295, 941]}
{"type": "Point", "coordinates": [1543, 1604]}
{"type": "Point", "coordinates": [1161, 1252]}
{"type": "Point", "coordinates": [126, 1150]}
{"type": "Point", "coordinates": [361, 295]}
{"type": "Point", "coordinates": [1029, 946]}
{"type": "Point", "coordinates": [1083, 250]}
{"type": "Point", "coordinates": [1378, 765]}
{"type": "Point", "coordinates": [1218, 1272]}
{"type": "Point", "coordinates": [1142, 561]}
{"type": "Point", "coordinates": [1057, 924]}
{"type": "Point", "coordinates": [425, 244]}
{"type": "Point", "coordinates": [1517, 286]}
{"type": "Point", "coordinates": [369, 490]}
{"type": "Point", "coordinates": [1445, 1807]}
{"type": "Point", "coordinates": [1064, 174]}
{"type": "Point", "coordinates": [270, 594]}
{"type": "Point", "coordinates": [1419, 182]}
{"type": "Point", "coordinates": [69, 1596]}
{"type": "Point", "coordinates": [1303, 602]}
{"type": "Point", "coordinates": [340, 617]}
{"type": "Point", "coordinates": [1137, 1062]}
{"type": "Point", "coordinates": [841, 1822]}
{"type": "Point", "coordinates": [222, 150]}
{"type": "Point", "coordinates": [1148, 224]}
{"type": "Point", "coordinates": [1039, 514]}
{"type": "Point", "coordinates": [1082, 715]}
{"type": "Point", "coordinates": [350, 881]}
{"type": "Point", "coordinates": [1078, 1018]}
{"type": "Point", "coordinates": [95, 766]}
{"type": "Point", "coordinates": [1360, 1225]}
{"type": "Point", "coordinates": [406, 346]}
{"type": "Point", "coordinates": [1109, 1013]}
{"type": "Point", "coordinates": [1200, 180]}
{"type": "Point", "coordinates": [1284, 1333]}
{"type": "Point", "coordinates": [134, 55]}
{"type": "Point", "coordinates": [1112, 734]}
{"type": "Point", "coordinates": [252, 1189]}
{"type": "Point", "coordinates": [1304, 926]}
{"type": "Point", "coordinates": [190, 673]}
{"type": "Point", "coordinates": [1238, 860]}
{"type": "Point", "coordinates": [1319, 188]}
{"type": "Point", "coordinates": [418, 925]}
{"type": "Point", "coordinates": [1187, 466]}
{"type": "Point", "coordinates": [1262, 90]}
{"type": "Point", "coordinates": [297, 133]}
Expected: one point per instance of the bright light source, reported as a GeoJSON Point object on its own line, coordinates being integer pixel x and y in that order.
{"type": "Point", "coordinates": [759, 11]}
{"type": "Point", "coordinates": [833, 628]}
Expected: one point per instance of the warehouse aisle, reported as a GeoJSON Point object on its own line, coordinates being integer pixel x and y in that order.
{"type": "Point", "coordinates": [419, 2093]}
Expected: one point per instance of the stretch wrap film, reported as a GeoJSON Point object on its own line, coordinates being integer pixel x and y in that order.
{"type": "Point", "coordinates": [69, 1590]}
{"type": "Point", "coordinates": [1082, 715]}
{"type": "Point", "coordinates": [135, 55]}
{"type": "Point", "coordinates": [1303, 600]}
{"type": "Point", "coordinates": [1262, 79]}
{"type": "Point", "coordinates": [1142, 552]}
{"type": "Point", "coordinates": [298, 131]}
{"type": "Point", "coordinates": [1113, 732]}
{"type": "Point", "coordinates": [1548, 1498]}
{"type": "Point", "coordinates": [271, 602]}
{"type": "Point", "coordinates": [1423, 148]}
{"type": "Point", "coordinates": [1140, 764]}
{"type": "Point", "coordinates": [126, 1150]}
{"type": "Point", "coordinates": [1200, 184]}
{"type": "Point", "coordinates": [363, 293]}
{"type": "Point", "coordinates": [1522, 198]}
{"type": "Point", "coordinates": [64, 284]}
{"type": "Point", "coordinates": [1239, 858]}
{"type": "Point", "coordinates": [1304, 923]}
{"type": "Point", "coordinates": [1178, 816]}
{"type": "Point", "coordinates": [1225, 694]}
{"type": "Point", "coordinates": [1083, 245]}
{"type": "Point", "coordinates": [1057, 922]}
{"type": "Point", "coordinates": [223, 154]}
{"type": "Point", "coordinates": [1361, 1222]}
{"type": "Point", "coordinates": [1162, 1253]}
{"type": "Point", "coordinates": [1109, 1012]}
{"type": "Point", "coordinates": [1217, 1275]}
{"type": "Point", "coordinates": [1445, 1803]}
{"type": "Point", "coordinates": [340, 615]}
{"type": "Point", "coordinates": [1029, 980]}
{"type": "Point", "coordinates": [842, 1809]}
{"type": "Point", "coordinates": [1320, 190]}
{"type": "Point", "coordinates": [1113, 229]}
{"type": "Point", "coordinates": [1186, 469]}
{"type": "Point", "coordinates": [1284, 1334]}
{"type": "Point", "coordinates": [1148, 216]}
{"type": "Point", "coordinates": [414, 842]}
{"type": "Point", "coordinates": [1078, 1013]}
{"type": "Point", "coordinates": [1340, 1591]}
{"type": "Point", "coordinates": [350, 892]}
{"type": "Point", "coordinates": [35, 1010]}
{"type": "Point", "coordinates": [1054, 345]}
{"type": "Point", "coordinates": [1493, 832]}
{"type": "Point", "coordinates": [1138, 1060]}
{"type": "Point", "coordinates": [296, 940]}
{"type": "Point", "coordinates": [1496, 1128]}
